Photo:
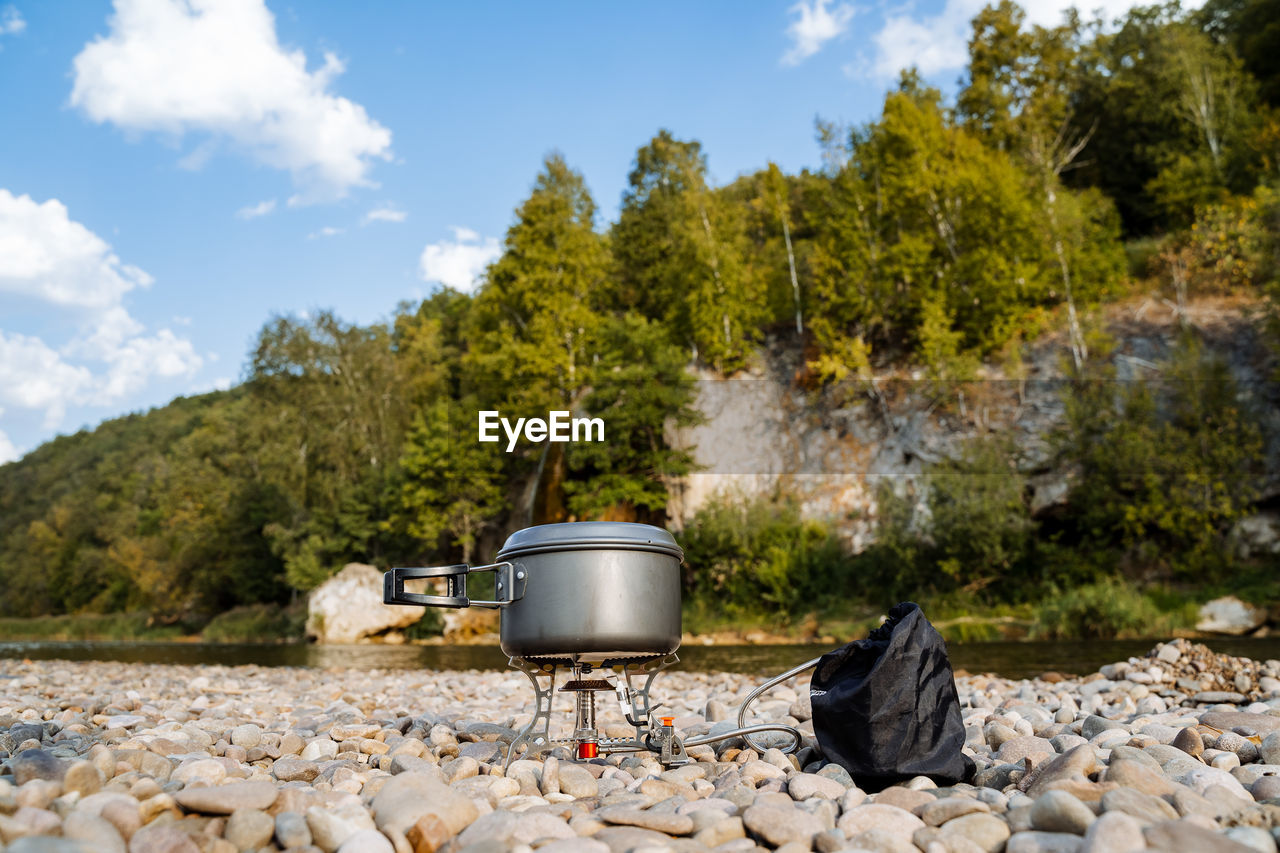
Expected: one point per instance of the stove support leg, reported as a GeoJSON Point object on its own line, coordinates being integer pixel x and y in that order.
{"type": "Point", "coordinates": [660, 739]}
{"type": "Point", "coordinates": [535, 737]}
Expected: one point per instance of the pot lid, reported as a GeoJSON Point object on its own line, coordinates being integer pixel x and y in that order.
{"type": "Point", "coordinates": [583, 535]}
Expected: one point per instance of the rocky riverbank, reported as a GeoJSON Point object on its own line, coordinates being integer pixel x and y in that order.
{"type": "Point", "coordinates": [1176, 751]}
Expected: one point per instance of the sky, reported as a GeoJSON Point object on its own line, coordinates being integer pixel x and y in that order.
{"type": "Point", "coordinates": [174, 173]}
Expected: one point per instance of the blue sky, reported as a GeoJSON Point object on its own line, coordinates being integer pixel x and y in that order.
{"type": "Point", "coordinates": [174, 172]}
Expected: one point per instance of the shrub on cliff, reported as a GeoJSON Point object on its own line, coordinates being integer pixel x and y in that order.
{"type": "Point", "coordinates": [972, 532]}
{"type": "Point", "coordinates": [1166, 465]}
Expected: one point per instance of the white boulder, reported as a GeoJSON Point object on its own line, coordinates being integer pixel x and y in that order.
{"type": "Point", "coordinates": [1230, 615]}
{"type": "Point", "coordinates": [348, 608]}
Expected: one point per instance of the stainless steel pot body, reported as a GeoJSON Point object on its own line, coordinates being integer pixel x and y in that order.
{"type": "Point", "coordinates": [582, 591]}
{"type": "Point", "coordinates": [595, 604]}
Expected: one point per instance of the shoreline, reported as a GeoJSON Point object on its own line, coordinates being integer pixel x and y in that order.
{"type": "Point", "coordinates": [716, 639]}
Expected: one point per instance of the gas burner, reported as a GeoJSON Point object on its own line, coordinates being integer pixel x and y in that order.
{"type": "Point", "coordinates": [601, 599]}
{"type": "Point", "coordinates": [586, 742]}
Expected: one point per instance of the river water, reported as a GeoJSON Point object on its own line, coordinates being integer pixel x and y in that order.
{"type": "Point", "coordinates": [1010, 659]}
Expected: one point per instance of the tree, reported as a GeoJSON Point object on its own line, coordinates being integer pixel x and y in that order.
{"type": "Point", "coordinates": [330, 422]}
{"type": "Point", "coordinates": [1176, 116]}
{"type": "Point", "coordinates": [451, 483]}
{"type": "Point", "coordinates": [775, 234]}
{"type": "Point", "coordinates": [1019, 98]}
{"type": "Point", "coordinates": [1252, 29]}
{"type": "Point", "coordinates": [978, 517]}
{"type": "Point", "coordinates": [926, 238]}
{"type": "Point", "coordinates": [678, 251]}
{"type": "Point", "coordinates": [1165, 467]}
{"type": "Point", "coordinates": [640, 388]}
{"type": "Point", "coordinates": [533, 324]}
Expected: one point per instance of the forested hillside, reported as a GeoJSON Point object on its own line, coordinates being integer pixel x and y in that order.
{"type": "Point", "coordinates": [1075, 165]}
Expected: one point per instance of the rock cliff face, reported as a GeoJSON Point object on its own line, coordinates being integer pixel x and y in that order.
{"type": "Point", "coordinates": [765, 433]}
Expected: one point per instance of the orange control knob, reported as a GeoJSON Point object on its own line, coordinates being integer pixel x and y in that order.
{"type": "Point", "coordinates": [668, 721]}
{"type": "Point", "coordinates": [588, 750]}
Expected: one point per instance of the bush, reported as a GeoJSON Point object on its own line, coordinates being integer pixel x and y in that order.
{"type": "Point", "coordinates": [430, 625]}
{"type": "Point", "coordinates": [1165, 467]}
{"type": "Point", "coordinates": [757, 559]}
{"type": "Point", "coordinates": [257, 623]}
{"type": "Point", "coordinates": [974, 535]}
{"type": "Point", "coordinates": [1102, 610]}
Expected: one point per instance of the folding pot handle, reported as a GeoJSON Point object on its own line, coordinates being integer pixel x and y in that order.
{"type": "Point", "coordinates": [510, 586]}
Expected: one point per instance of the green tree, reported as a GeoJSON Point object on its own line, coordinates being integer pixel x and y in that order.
{"type": "Point", "coordinates": [926, 238]}
{"type": "Point", "coordinates": [1252, 29]}
{"type": "Point", "coordinates": [330, 422]}
{"type": "Point", "coordinates": [678, 251]}
{"type": "Point", "coordinates": [451, 483]}
{"type": "Point", "coordinates": [979, 522]}
{"type": "Point", "coordinates": [532, 326]}
{"type": "Point", "coordinates": [1177, 120]}
{"type": "Point", "coordinates": [640, 388]}
{"type": "Point", "coordinates": [777, 238]}
{"type": "Point", "coordinates": [1019, 99]}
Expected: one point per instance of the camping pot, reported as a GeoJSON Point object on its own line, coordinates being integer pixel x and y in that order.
{"type": "Point", "coordinates": [579, 592]}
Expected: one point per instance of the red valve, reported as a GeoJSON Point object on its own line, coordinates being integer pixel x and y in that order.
{"type": "Point", "coordinates": [588, 750]}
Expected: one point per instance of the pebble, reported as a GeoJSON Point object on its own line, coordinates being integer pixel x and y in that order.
{"type": "Point", "coordinates": [668, 822]}
{"type": "Point", "coordinates": [366, 841]}
{"type": "Point", "coordinates": [892, 819]}
{"type": "Point", "coordinates": [939, 812]}
{"type": "Point", "coordinates": [225, 799]}
{"type": "Point", "coordinates": [36, 764]}
{"type": "Point", "coordinates": [803, 786]}
{"type": "Point", "coordinates": [1059, 811]}
{"type": "Point", "coordinates": [288, 769]}
{"type": "Point", "coordinates": [1033, 841]}
{"type": "Point", "coordinates": [987, 831]}
{"type": "Point", "coordinates": [249, 829]}
{"type": "Point", "coordinates": [291, 830]}
{"type": "Point", "coordinates": [577, 782]}
{"type": "Point", "coordinates": [161, 838]}
{"type": "Point", "coordinates": [94, 832]}
{"type": "Point", "coordinates": [779, 825]}
{"type": "Point", "coordinates": [1270, 749]}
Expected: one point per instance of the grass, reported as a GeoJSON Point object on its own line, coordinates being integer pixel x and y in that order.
{"type": "Point", "coordinates": [262, 623]}
{"type": "Point", "coordinates": [1105, 610]}
{"type": "Point", "coordinates": [114, 627]}
{"type": "Point", "coordinates": [1110, 609]}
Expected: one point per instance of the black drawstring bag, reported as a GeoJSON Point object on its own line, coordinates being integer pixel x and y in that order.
{"type": "Point", "coordinates": [885, 708]}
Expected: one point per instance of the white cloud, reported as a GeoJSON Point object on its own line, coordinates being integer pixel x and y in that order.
{"type": "Point", "coordinates": [935, 43]}
{"type": "Point", "coordinates": [44, 254]}
{"type": "Point", "coordinates": [217, 67]}
{"type": "Point", "coordinates": [8, 452]}
{"type": "Point", "coordinates": [814, 26]}
{"type": "Point", "coordinates": [326, 231]}
{"type": "Point", "coordinates": [11, 23]}
{"type": "Point", "coordinates": [253, 211]}
{"type": "Point", "coordinates": [385, 213]}
{"type": "Point", "coordinates": [35, 376]}
{"type": "Point", "coordinates": [459, 263]}
{"type": "Point", "coordinates": [47, 257]}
